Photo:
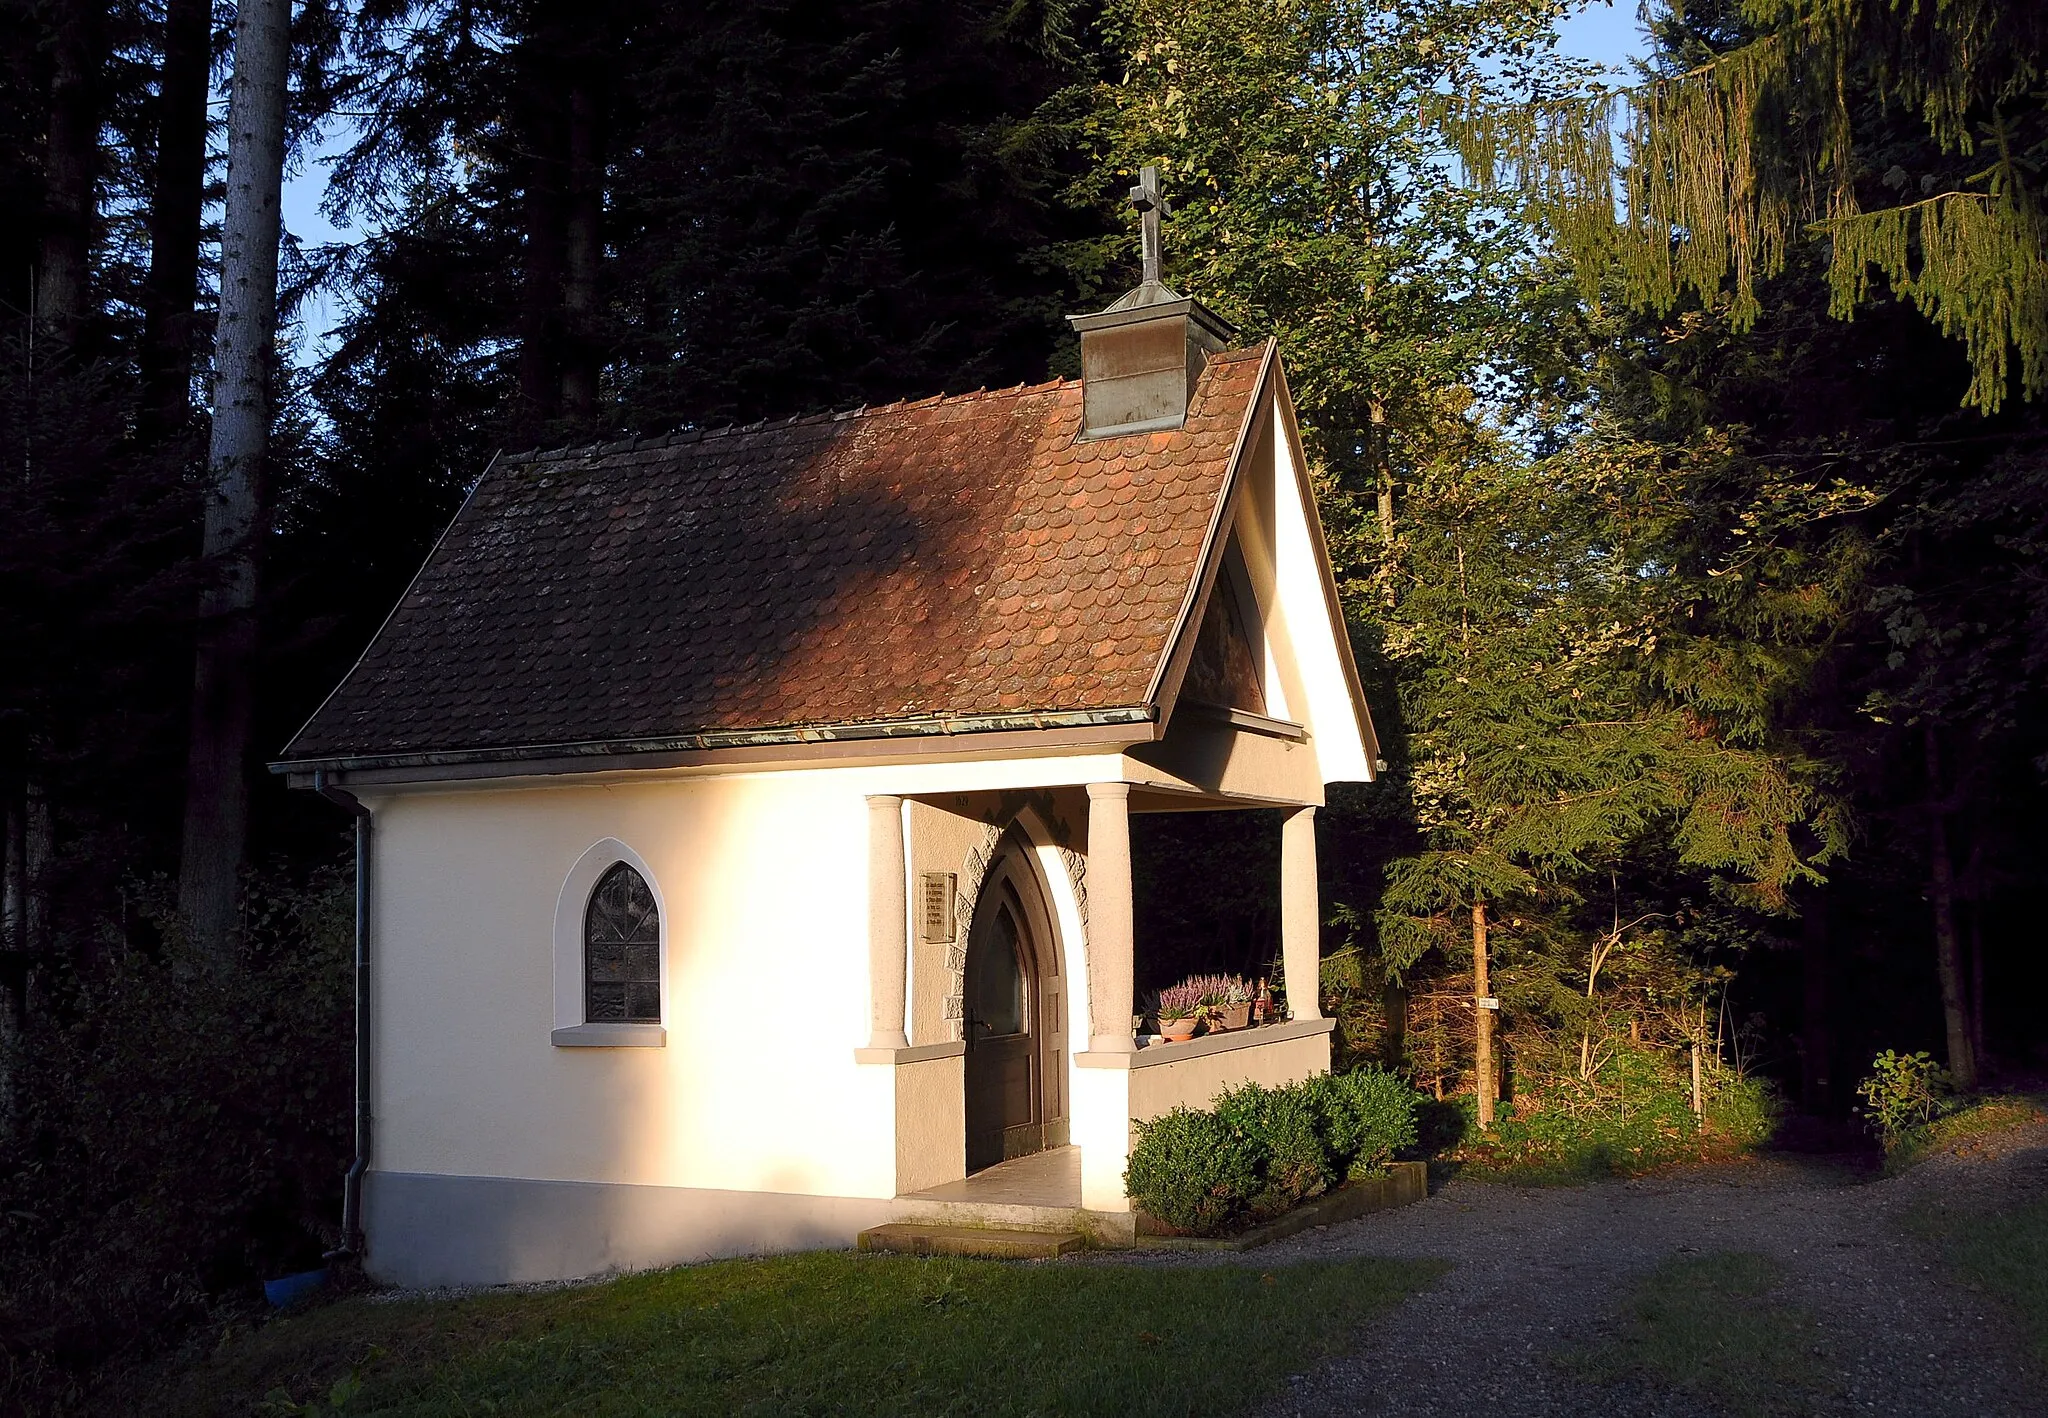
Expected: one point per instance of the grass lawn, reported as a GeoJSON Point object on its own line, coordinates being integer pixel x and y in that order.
{"type": "Point", "coordinates": [2006, 1253]}
{"type": "Point", "coordinates": [826, 1333]}
{"type": "Point", "coordinates": [1706, 1324]}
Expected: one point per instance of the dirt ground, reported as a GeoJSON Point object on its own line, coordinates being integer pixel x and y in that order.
{"type": "Point", "coordinates": [1543, 1272]}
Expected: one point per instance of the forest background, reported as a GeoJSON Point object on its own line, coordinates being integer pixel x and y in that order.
{"type": "Point", "coordinates": [1703, 623]}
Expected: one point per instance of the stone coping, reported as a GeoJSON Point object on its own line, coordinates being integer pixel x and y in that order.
{"type": "Point", "coordinates": [1163, 1053]}
{"type": "Point", "coordinates": [916, 1053]}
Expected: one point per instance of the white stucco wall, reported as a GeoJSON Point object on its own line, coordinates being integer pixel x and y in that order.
{"type": "Point", "coordinates": [763, 882]}
{"type": "Point", "coordinates": [763, 879]}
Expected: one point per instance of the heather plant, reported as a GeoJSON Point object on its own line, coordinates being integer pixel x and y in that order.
{"type": "Point", "coordinates": [1179, 1001]}
{"type": "Point", "coordinates": [1212, 991]}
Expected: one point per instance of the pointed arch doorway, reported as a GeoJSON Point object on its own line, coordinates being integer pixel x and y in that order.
{"type": "Point", "coordinates": [1013, 1018]}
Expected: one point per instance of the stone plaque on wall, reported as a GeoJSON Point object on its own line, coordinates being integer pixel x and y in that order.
{"type": "Point", "coordinates": [936, 908]}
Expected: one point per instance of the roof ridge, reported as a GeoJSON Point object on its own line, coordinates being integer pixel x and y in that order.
{"type": "Point", "coordinates": [602, 447]}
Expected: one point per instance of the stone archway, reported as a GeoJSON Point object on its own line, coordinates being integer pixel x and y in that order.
{"type": "Point", "coordinates": [1013, 1016]}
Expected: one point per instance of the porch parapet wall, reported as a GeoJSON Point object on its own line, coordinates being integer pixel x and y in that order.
{"type": "Point", "coordinates": [1157, 1055]}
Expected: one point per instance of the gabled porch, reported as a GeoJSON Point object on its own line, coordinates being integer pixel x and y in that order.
{"type": "Point", "coordinates": [1095, 1073]}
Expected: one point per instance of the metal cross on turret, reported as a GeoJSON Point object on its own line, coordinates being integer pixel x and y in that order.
{"type": "Point", "coordinates": [1145, 197]}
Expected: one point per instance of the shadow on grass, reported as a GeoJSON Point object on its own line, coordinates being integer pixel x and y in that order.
{"type": "Point", "coordinates": [823, 1333]}
{"type": "Point", "coordinates": [1707, 1325]}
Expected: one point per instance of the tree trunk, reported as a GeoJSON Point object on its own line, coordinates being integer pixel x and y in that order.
{"type": "Point", "coordinates": [1394, 1004]}
{"type": "Point", "coordinates": [70, 169]}
{"type": "Point", "coordinates": [1816, 1035]}
{"type": "Point", "coordinates": [1383, 468]}
{"type": "Point", "coordinates": [1482, 1061]}
{"type": "Point", "coordinates": [583, 248]}
{"type": "Point", "coordinates": [13, 940]}
{"type": "Point", "coordinates": [37, 851]}
{"type": "Point", "coordinates": [223, 687]}
{"type": "Point", "coordinates": [175, 212]}
{"type": "Point", "coordinates": [1978, 1053]}
{"type": "Point", "coordinates": [546, 221]}
{"type": "Point", "coordinates": [1962, 1060]}
{"type": "Point", "coordinates": [1436, 1033]}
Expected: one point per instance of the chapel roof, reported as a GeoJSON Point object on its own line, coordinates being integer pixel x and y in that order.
{"type": "Point", "coordinates": [958, 557]}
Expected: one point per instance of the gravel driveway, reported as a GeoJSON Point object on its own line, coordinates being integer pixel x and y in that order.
{"type": "Point", "coordinates": [1542, 1271]}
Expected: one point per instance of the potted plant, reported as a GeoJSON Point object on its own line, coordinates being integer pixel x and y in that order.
{"type": "Point", "coordinates": [1236, 1009]}
{"type": "Point", "coordinates": [1225, 1003]}
{"type": "Point", "coordinates": [1178, 1011]}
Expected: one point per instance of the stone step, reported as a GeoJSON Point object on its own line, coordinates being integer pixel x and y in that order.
{"type": "Point", "coordinates": [986, 1242]}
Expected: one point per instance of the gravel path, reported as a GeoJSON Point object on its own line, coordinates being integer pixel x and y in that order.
{"type": "Point", "coordinates": [1541, 1271]}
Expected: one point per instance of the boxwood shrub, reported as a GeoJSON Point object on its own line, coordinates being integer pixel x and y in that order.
{"type": "Point", "coordinates": [1259, 1151]}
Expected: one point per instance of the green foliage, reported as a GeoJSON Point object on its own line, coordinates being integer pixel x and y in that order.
{"type": "Point", "coordinates": [1904, 1092]}
{"type": "Point", "coordinates": [1744, 1111]}
{"type": "Point", "coordinates": [1366, 1117]}
{"type": "Point", "coordinates": [1194, 1171]}
{"type": "Point", "coordinates": [1311, 202]}
{"type": "Point", "coordinates": [186, 1128]}
{"type": "Point", "coordinates": [1261, 1150]}
{"type": "Point", "coordinates": [816, 1333]}
{"type": "Point", "coordinates": [803, 208]}
{"type": "Point", "coordinates": [1283, 1126]}
{"type": "Point", "coordinates": [1761, 129]}
{"type": "Point", "coordinates": [1712, 1326]}
{"type": "Point", "coordinates": [1565, 709]}
{"type": "Point", "coordinates": [1634, 1116]}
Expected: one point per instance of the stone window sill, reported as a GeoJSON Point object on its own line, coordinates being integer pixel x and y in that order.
{"type": "Point", "coordinates": [610, 1036]}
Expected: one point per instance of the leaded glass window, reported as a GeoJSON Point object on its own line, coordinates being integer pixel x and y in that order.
{"type": "Point", "coordinates": [622, 950]}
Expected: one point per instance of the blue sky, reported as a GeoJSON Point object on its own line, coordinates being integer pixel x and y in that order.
{"type": "Point", "coordinates": [1605, 30]}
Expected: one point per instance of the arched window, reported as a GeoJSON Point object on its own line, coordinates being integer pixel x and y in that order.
{"type": "Point", "coordinates": [622, 950]}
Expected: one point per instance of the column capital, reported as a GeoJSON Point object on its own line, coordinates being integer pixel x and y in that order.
{"type": "Point", "coordinates": [1109, 790]}
{"type": "Point", "coordinates": [884, 801]}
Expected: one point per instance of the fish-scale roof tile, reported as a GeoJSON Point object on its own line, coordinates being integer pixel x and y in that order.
{"type": "Point", "coordinates": [952, 556]}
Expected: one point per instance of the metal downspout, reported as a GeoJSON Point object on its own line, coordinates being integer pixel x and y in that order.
{"type": "Point", "coordinates": [352, 1184]}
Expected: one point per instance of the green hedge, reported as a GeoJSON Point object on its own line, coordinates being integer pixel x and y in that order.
{"type": "Point", "coordinates": [1260, 1151]}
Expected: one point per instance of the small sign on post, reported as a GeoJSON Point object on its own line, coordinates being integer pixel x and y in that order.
{"type": "Point", "coordinates": [936, 907]}
{"type": "Point", "coordinates": [1489, 1002]}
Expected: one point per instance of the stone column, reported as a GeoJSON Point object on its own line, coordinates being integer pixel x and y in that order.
{"type": "Point", "coordinates": [1111, 953]}
{"type": "Point", "coordinates": [1301, 915]}
{"type": "Point", "coordinates": [888, 946]}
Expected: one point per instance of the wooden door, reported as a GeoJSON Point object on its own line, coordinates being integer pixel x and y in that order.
{"type": "Point", "coordinates": [1004, 1022]}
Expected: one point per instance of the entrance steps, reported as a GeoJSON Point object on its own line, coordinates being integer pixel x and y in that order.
{"type": "Point", "coordinates": [983, 1242]}
{"type": "Point", "coordinates": [1040, 1192]}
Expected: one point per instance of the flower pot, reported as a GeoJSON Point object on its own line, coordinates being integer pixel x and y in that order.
{"type": "Point", "coordinates": [1232, 1016]}
{"type": "Point", "coordinates": [1177, 1031]}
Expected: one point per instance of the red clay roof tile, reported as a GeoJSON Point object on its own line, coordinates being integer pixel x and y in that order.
{"type": "Point", "coordinates": [952, 556]}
